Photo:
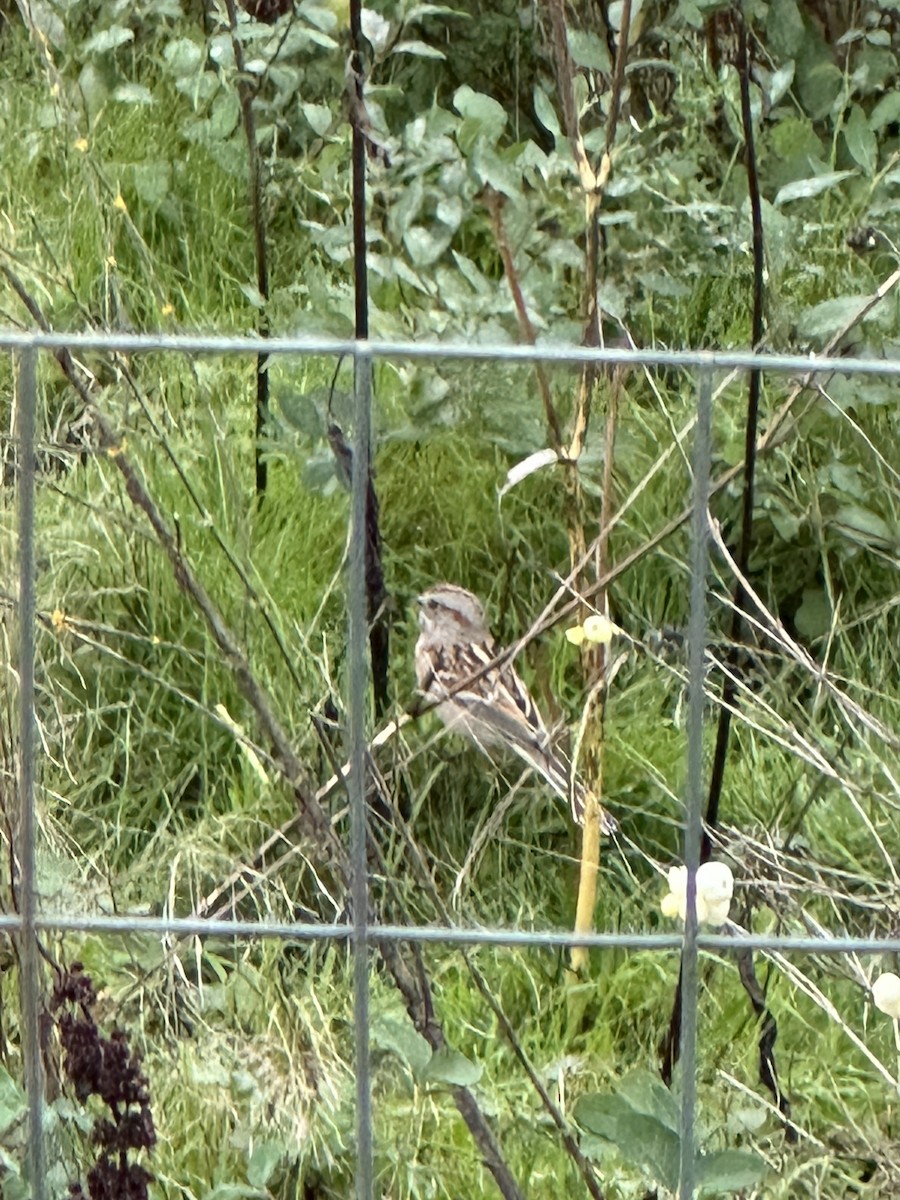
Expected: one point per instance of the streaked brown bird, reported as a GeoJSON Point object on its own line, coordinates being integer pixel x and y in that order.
{"type": "Point", "coordinates": [491, 707]}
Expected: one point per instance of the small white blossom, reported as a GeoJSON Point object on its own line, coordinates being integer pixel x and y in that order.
{"type": "Point", "coordinates": [715, 887]}
{"type": "Point", "coordinates": [886, 994]}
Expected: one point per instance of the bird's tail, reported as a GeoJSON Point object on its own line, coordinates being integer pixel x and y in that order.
{"type": "Point", "coordinates": [557, 770]}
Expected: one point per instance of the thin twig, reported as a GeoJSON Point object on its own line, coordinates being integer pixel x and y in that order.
{"type": "Point", "coordinates": [494, 203]}
{"type": "Point", "coordinates": [246, 95]}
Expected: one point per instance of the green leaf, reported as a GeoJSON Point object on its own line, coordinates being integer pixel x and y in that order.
{"type": "Point", "coordinates": [13, 1104]}
{"type": "Point", "coordinates": [450, 211]}
{"type": "Point", "coordinates": [493, 169]}
{"type": "Point", "coordinates": [108, 39]}
{"type": "Point", "coordinates": [643, 1140]}
{"type": "Point", "coordinates": [319, 117]}
{"type": "Point", "coordinates": [319, 16]}
{"type": "Point", "coordinates": [235, 1191]}
{"type": "Point", "coordinates": [803, 189]}
{"type": "Point", "coordinates": [856, 391]}
{"type": "Point", "coordinates": [546, 113]}
{"type": "Point", "coordinates": [794, 141]}
{"type": "Point", "coordinates": [819, 88]}
{"type": "Point", "coordinates": [133, 93]}
{"type": "Point", "coordinates": [14, 1186]}
{"type": "Point", "coordinates": [183, 56]}
{"type": "Point", "coordinates": [152, 181]}
{"type": "Point", "coordinates": [826, 318]}
{"type": "Point", "coordinates": [433, 10]}
{"type": "Point", "coordinates": [321, 39]}
{"type": "Point", "coordinates": [813, 617]}
{"type": "Point", "coordinates": [93, 88]}
{"type": "Point", "coordinates": [728, 1170]}
{"type": "Point", "coordinates": [264, 1158]}
{"type": "Point", "coordinates": [302, 411]}
{"type": "Point", "coordinates": [885, 111]}
{"type": "Point", "coordinates": [589, 50]}
{"type": "Point", "coordinates": [785, 30]}
{"type": "Point", "coordinates": [646, 1093]}
{"type": "Point", "coordinates": [483, 116]}
{"type": "Point", "coordinates": [418, 49]}
{"type": "Point", "coordinates": [471, 273]}
{"type": "Point", "coordinates": [253, 294]}
{"type": "Point", "coordinates": [424, 246]}
{"type": "Point", "coordinates": [780, 233]}
{"type": "Point", "coordinates": [225, 114]}
{"type": "Point", "coordinates": [863, 526]}
{"type": "Point", "coordinates": [453, 1068]}
{"type": "Point", "coordinates": [397, 1035]}
{"type": "Point", "coordinates": [861, 141]}
{"type": "Point", "coordinates": [780, 81]}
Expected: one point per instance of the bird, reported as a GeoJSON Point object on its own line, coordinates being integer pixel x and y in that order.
{"type": "Point", "coordinates": [483, 701]}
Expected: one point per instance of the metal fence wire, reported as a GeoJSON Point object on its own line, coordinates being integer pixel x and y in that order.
{"type": "Point", "coordinates": [32, 921]}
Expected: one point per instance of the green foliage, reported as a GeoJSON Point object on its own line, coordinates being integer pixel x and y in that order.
{"type": "Point", "coordinates": [124, 179]}
{"type": "Point", "coordinates": [642, 1119]}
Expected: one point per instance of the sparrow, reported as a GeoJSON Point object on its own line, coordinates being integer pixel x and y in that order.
{"type": "Point", "coordinates": [489, 705]}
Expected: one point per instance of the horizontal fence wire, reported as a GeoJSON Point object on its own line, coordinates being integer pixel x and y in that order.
{"type": "Point", "coordinates": [360, 931]}
{"type": "Point", "coordinates": [182, 927]}
{"type": "Point", "coordinates": [556, 352]}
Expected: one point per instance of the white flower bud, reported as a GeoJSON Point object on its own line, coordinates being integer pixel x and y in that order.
{"type": "Point", "coordinates": [715, 888]}
{"type": "Point", "coordinates": [886, 994]}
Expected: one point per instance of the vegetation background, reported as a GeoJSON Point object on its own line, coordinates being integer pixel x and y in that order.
{"type": "Point", "coordinates": [155, 157]}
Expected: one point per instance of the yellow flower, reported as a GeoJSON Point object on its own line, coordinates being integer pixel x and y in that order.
{"type": "Point", "coordinates": [81, 145]}
{"type": "Point", "coordinates": [599, 629]}
{"type": "Point", "coordinates": [596, 628]}
{"type": "Point", "coordinates": [119, 203]}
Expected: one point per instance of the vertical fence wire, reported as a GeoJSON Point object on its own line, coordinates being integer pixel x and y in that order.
{"type": "Point", "coordinates": [694, 798]}
{"type": "Point", "coordinates": [358, 683]}
{"type": "Point", "coordinates": [29, 955]}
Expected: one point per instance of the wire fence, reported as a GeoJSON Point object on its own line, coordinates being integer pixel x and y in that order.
{"type": "Point", "coordinates": [364, 934]}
